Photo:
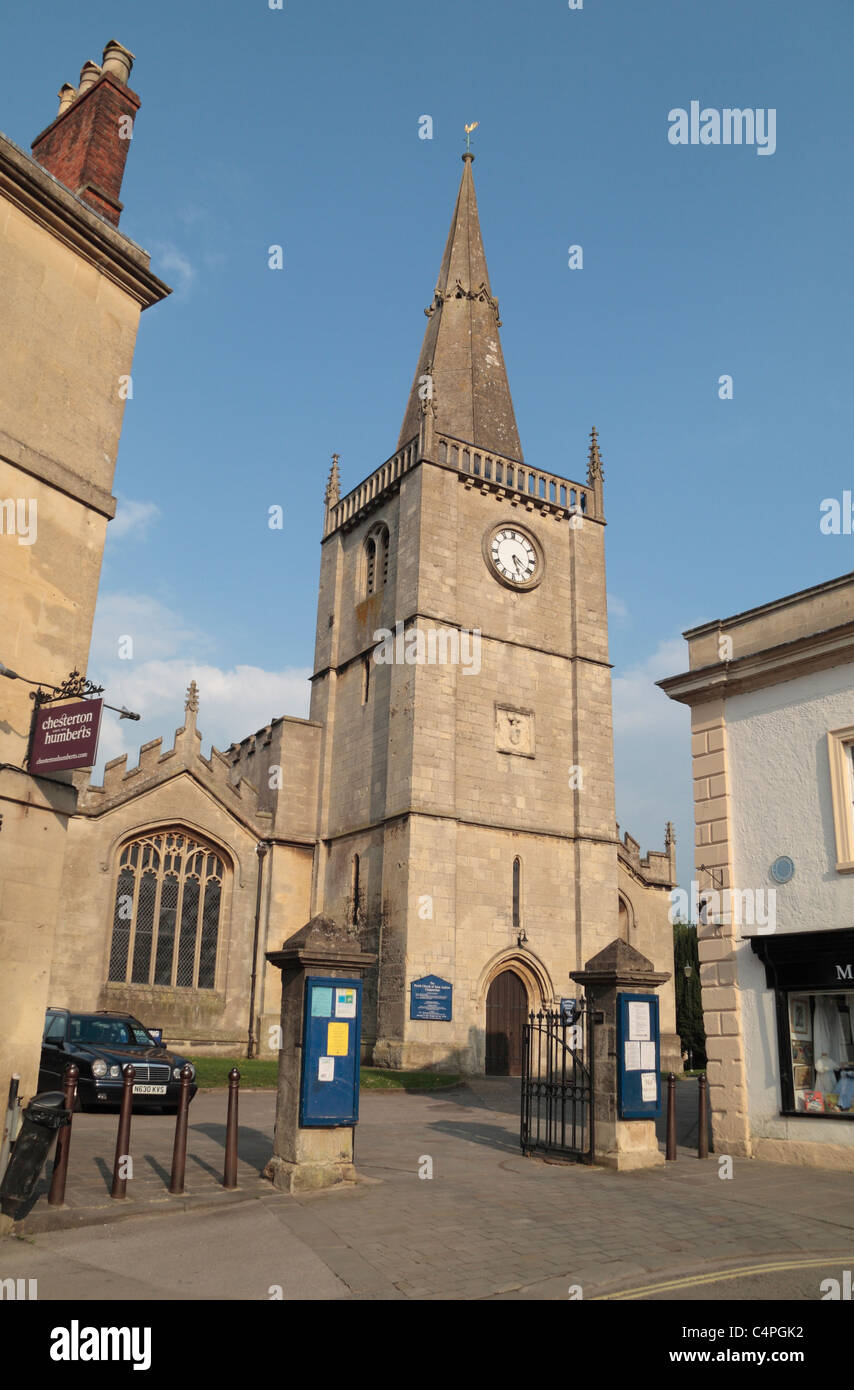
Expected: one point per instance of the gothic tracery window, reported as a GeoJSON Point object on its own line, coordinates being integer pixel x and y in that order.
{"type": "Point", "coordinates": [167, 912]}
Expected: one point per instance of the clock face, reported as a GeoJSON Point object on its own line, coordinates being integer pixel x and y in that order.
{"type": "Point", "coordinates": [513, 556]}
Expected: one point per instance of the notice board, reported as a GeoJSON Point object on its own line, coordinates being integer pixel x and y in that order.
{"type": "Point", "coordinates": [332, 1030]}
{"type": "Point", "coordinates": [638, 1057]}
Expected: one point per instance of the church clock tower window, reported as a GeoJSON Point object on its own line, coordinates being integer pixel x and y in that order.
{"type": "Point", "coordinates": [517, 894]}
{"type": "Point", "coordinates": [376, 560]}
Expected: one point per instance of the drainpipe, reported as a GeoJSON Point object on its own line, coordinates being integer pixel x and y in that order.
{"type": "Point", "coordinates": [252, 1048]}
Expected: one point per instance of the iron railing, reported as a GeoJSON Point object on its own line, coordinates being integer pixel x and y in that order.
{"type": "Point", "coordinates": [557, 1085]}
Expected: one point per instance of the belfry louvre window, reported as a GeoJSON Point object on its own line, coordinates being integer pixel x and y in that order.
{"type": "Point", "coordinates": [377, 548]}
{"type": "Point", "coordinates": [166, 913]}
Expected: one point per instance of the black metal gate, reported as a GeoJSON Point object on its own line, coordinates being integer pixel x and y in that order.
{"type": "Point", "coordinates": [557, 1085]}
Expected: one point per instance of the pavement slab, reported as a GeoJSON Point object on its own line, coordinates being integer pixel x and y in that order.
{"type": "Point", "coordinates": [489, 1224]}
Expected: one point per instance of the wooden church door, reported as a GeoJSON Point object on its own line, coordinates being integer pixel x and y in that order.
{"type": "Point", "coordinates": [506, 1012]}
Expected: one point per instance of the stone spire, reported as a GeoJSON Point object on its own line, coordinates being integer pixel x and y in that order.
{"type": "Point", "coordinates": [333, 484]}
{"type": "Point", "coordinates": [461, 367]}
{"type": "Point", "coordinates": [191, 706]}
{"type": "Point", "coordinates": [670, 849]}
{"type": "Point", "coordinates": [595, 473]}
{"type": "Point", "coordinates": [594, 458]}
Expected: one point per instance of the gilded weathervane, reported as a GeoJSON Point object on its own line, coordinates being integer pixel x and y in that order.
{"type": "Point", "coordinates": [469, 129]}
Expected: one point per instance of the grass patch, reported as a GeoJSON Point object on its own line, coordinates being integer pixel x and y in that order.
{"type": "Point", "coordinates": [255, 1071]}
{"type": "Point", "coordinates": [263, 1072]}
{"type": "Point", "coordinates": [377, 1079]}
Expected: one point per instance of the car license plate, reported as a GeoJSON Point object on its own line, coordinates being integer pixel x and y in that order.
{"type": "Point", "coordinates": [149, 1090]}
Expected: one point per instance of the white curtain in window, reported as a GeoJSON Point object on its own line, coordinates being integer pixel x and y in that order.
{"type": "Point", "coordinates": [827, 1035]}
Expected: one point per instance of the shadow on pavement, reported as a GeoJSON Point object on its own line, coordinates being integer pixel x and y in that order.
{"type": "Point", "coordinates": [253, 1145]}
{"type": "Point", "coordinates": [489, 1136]}
{"type": "Point", "coordinates": [502, 1094]}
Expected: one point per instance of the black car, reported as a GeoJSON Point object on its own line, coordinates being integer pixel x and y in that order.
{"type": "Point", "coordinates": [101, 1045]}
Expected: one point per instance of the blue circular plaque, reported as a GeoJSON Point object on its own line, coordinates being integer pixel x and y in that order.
{"type": "Point", "coordinates": [783, 869]}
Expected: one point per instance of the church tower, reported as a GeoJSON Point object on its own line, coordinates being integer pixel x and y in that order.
{"type": "Point", "coordinates": [467, 823]}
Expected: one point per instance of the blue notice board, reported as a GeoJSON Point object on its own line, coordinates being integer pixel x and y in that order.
{"type": "Point", "coordinates": [431, 997]}
{"type": "Point", "coordinates": [638, 1057]}
{"type": "Point", "coordinates": [332, 1030]}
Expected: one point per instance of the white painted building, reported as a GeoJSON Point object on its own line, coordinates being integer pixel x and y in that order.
{"type": "Point", "coordinates": [772, 719]}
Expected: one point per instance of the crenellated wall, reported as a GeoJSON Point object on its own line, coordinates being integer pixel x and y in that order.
{"type": "Point", "coordinates": [179, 789]}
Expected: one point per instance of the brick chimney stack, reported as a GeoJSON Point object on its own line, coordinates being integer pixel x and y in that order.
{"type": "Point", "coordinates": [87, 145]}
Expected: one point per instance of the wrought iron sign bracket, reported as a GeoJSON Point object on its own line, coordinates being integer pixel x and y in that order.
{"type": "Point", "coordinates": [74, 687]}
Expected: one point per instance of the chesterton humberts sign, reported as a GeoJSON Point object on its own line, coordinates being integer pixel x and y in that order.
{"type": "Point", "coordinates": [65, 737]}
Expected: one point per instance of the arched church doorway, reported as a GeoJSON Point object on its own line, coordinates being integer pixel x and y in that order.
{"type": "Point", "coordinates": [506, 1011]}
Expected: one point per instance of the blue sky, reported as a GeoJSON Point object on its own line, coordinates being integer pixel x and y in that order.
{"type": "Point", "coordinates": [299, 127]}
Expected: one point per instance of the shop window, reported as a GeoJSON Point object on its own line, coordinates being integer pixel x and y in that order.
{"type": "Point", "coordinates": [821, 1052]}
{"type": "Point", "coordinates": [840, 749]}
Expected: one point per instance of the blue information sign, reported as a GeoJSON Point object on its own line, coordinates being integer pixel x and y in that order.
{"type": "Point", "coordinates": [332, 1029]}
{"type": "Point", "coordinates": [431, 997]}
{"type": "Point", "coordinates": [638, 1057]}
{"type": "Point", "coordinates": [567, 1008]}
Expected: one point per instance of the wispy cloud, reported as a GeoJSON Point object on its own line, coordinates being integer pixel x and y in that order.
{"type": "Point", "coordinates": [617, 608]}
{"type": "Point", "coordinates": [131, 519]}
{"type": "Point", "coordinates": [173, 265]}
{"type": "Point", "coordinates": [167, 654]}
{"type": "Point", "coordinates": [157, 633]}
{"type": "Point", "coordinates": [191, 213]}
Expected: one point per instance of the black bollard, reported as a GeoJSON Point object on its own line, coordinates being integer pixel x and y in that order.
{"type": "Point", "coordinates": [229, 1177]}
{"type": "Point", "coordinates": [56, 1196]}
{"type": "Point", "coordinates": [179, 1148]}
{"type": "Point", "coordinates": [702, 1117]}
{"type": "Point", "coordinates": [119, 1188]}
{"type": "Point", "coordinates": [670, 1147]}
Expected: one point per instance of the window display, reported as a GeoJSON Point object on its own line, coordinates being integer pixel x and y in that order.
{"type": "Point", "coordinates": [821, 1039]}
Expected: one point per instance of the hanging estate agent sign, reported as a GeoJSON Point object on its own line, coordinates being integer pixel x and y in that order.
{"type": "Point", "coordinates": [430, 998]}
{"type": "Point", "coordinates": [65, 737]}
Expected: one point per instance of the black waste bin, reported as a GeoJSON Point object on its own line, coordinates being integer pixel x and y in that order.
{"type": "Point", "coordinates": [43, 1118]}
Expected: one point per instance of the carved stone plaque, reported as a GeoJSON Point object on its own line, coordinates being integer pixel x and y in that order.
{"type": "Point", "coordinates": [514, 731]}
